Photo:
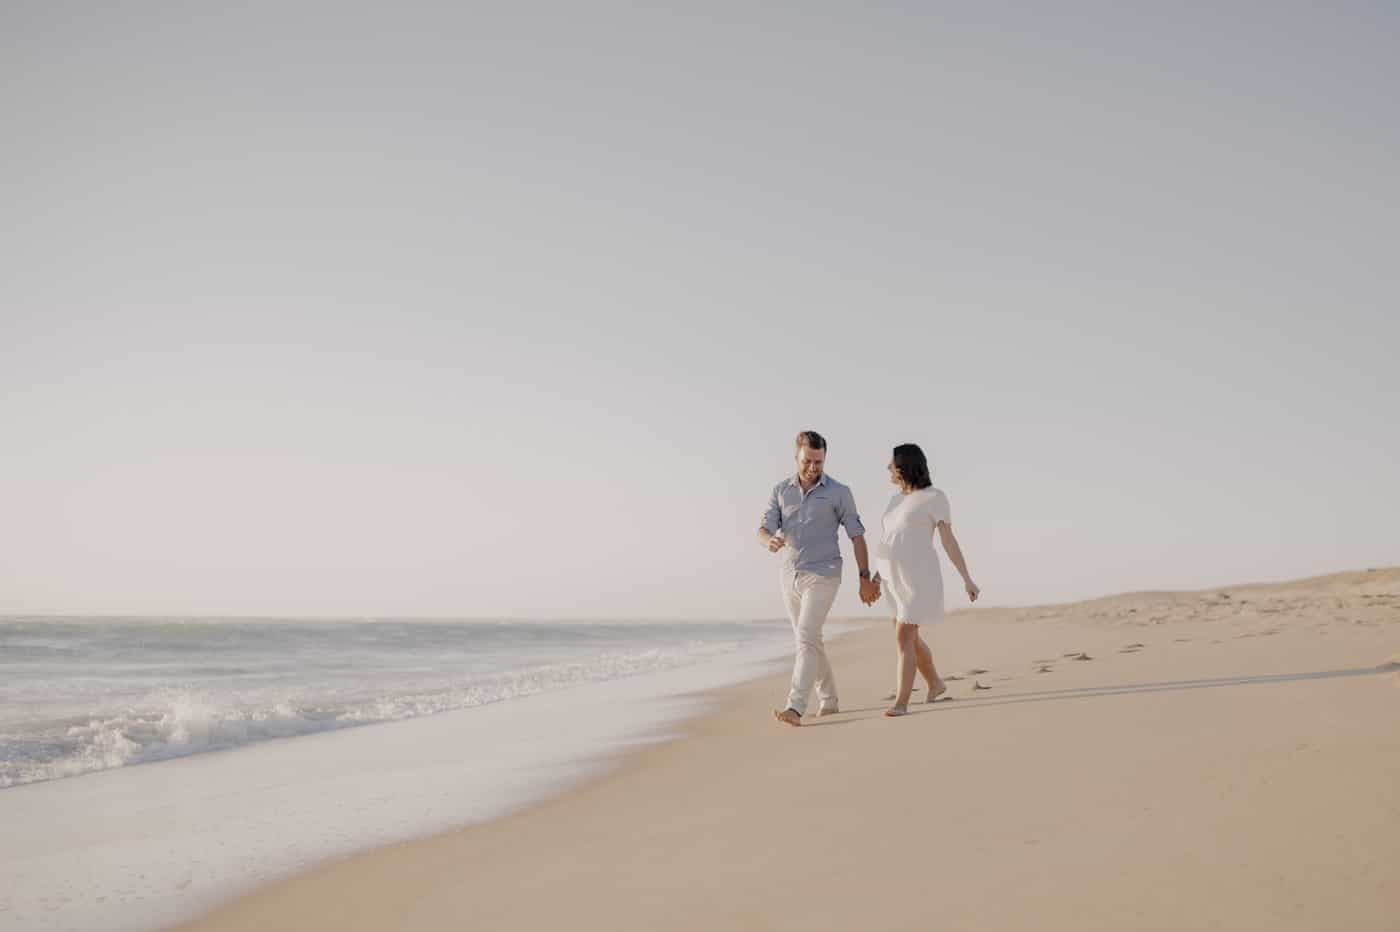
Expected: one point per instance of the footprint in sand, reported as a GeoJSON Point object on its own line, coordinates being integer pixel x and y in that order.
{"type": "Point", "coordinates": [1131, 648]}
{"type": "Point", "coordinates": [1078, 655]}
{"type": "Point", "coordinates": [1183, 640]}
{"type": "Point", "coordinates": [975, 671]}
{"type": "Point", "coordinates": [1045, 668]}
{"type": "Point", "coordinates": [951, 677]}
{"type": "Point", "coordinates": [976, 685]}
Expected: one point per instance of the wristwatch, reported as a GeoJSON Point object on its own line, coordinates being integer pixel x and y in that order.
{"type": "Point", "coordinates": [864, 574]}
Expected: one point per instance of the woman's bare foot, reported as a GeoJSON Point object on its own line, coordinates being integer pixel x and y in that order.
{"type": "Point", "coordinates": [937, 689]}
{"type": "Point", "coordinates": [788, 717]}
{"type": "Point", "coordinates": [895, 711]}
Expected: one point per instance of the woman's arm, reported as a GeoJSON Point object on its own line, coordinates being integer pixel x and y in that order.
{"type": "Point", "coordinates": [950, 546]}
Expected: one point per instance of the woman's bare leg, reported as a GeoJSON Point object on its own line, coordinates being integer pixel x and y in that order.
{"type": "Point", "coordinates": [925, 658]}
{"type": "Point", "coordinates": [894, 693]}
{"type": "Point", "coordinates": [936, 686]}
{"type": "Point", "coordinates": [907, 637]}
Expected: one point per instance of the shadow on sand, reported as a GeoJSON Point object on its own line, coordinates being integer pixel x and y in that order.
{"type": "Point", "coordinates": [1086, 692]}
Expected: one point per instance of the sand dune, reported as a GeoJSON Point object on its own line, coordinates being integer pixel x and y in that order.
{"type": "Point", "coordinates": [1227, 758]}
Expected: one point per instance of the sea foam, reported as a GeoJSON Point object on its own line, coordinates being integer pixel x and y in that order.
{"type": "Point", "coordinates": [87, 695]}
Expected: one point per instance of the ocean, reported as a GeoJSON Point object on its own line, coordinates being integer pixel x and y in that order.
{"type": "Point", "coordinates": [151, 768]}
{"type": "Point", "coordinates": [79, 695]}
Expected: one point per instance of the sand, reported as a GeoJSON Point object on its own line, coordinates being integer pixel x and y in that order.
{"type": "Point", "coordinates": [1223, 759]}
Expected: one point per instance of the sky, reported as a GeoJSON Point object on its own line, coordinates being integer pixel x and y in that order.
{"type": "Point", "coordinates": [513, 310]}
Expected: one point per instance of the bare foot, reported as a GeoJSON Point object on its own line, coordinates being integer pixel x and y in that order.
{"type": "Point", "coordinates": [895, 711]}
{"type": "Point", "coordinates": [937, 689]}
{"type": "Point", "coordinates": [788, 717]}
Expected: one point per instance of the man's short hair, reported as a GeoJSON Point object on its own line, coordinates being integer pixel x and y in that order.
{"type": "Point", "coordinates": [811, 440]}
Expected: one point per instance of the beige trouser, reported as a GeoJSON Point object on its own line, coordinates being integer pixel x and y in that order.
{"type": "Point", "coordinates": [808, 598]}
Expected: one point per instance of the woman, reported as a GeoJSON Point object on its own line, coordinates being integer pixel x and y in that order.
{"type": "Point", "coordinates": [909, 571]}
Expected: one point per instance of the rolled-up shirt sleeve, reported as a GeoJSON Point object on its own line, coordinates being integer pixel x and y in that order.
{"type": "Point", "coordinates": [849, 518]}
{"type": "Point", "coordinates": [773, 516]}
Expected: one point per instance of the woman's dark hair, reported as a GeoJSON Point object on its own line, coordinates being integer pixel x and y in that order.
{"type": "Point", "coordinates": [912, 466]}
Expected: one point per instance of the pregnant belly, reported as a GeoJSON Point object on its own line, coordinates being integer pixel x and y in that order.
{"type": "Point", "coordinates": [917, 562]}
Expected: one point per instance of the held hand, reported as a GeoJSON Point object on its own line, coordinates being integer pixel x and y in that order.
{"type": "Point", "coordinates": [972, 590]}
{"type": "Point", "coordinates": [869, 591]}
{"type": "Point", "coordinates": [776, 543]}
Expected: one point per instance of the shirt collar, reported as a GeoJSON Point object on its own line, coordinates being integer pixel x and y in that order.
{"type": "Point", "coordinates": [797, 481]}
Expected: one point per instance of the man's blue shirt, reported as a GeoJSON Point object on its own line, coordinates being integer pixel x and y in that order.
{"type": "Point", "coordinates": [809, 521]}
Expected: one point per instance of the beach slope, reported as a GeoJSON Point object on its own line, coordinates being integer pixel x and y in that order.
{"type": "Point", "coordinates": [1227, 759]}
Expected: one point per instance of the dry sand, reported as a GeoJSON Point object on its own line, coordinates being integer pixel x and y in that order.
{"type": "Point", "coordinates": [1223, 759]}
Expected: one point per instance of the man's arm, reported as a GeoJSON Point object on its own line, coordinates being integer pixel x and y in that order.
{"type": "Point", "coordinates": [850, 519]}
{"type": "Point", "coordinates": [869, 588]}
{"type": "Point", "coordinates": [772, 524]}
{"type": "Point", "coordinates": [862, 555]}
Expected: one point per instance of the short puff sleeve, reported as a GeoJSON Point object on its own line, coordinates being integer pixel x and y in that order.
{"type": "Point", "coordinates": [939, 509]}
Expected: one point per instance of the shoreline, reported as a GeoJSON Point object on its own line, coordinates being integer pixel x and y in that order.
{"type": "Point", "coordinates": [1212, 763]}
{"type": "Point", "coordinates": [144, 846]}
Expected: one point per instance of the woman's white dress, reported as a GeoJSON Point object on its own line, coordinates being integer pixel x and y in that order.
{"type": "Point", "coordinates": [906, 558]}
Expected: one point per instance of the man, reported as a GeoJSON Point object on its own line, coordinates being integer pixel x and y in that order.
{"type": "Point", "coordinates": [803, 514]}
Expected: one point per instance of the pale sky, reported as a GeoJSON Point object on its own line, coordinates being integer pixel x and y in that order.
{"type": "Point", "coordinates": [512, 311]}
